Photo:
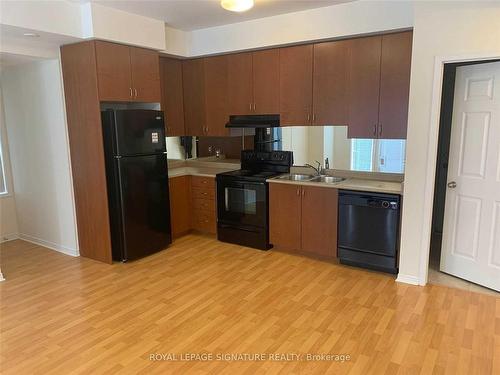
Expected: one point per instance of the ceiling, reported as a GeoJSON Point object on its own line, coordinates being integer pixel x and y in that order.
{"type": "Point", "coordinates": [198, 14]}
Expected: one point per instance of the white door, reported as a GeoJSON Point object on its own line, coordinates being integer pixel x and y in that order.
{"type": "Point", "coordinates": [471, 232]}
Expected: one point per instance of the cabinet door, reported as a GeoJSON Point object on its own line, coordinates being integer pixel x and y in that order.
{"type": "Point", "coordinates": [266, 81]}
{"type": "Point", "coordinates": [193, 80]}
{"type": "Point", "coordinates": [145, 74]}
{"type": "Point", "coordinates": [296, 85]}
{"type": "Point", "coordinates": [172, 102]}
{"type": "Point", "coordinates": [330, 83]}
{"type": "Point", "coordinates": [364, 84]}
{"type": "Point", "coordinates": [113, 72]}
{"type": "Point", "coordinates": [319, 220]}
{"type": "Point", "coordinates": [216, 83]}
{"type": "Point", "coordinates": [394, 85]}
{"type": "Point", "coordinates": [180, 205]}
{"type": "Point", "coordinates": [285, 216]}
{"type": "Point", "coordinates": [240, 86]}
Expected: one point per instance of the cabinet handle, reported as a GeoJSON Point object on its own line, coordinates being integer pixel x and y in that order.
{"type": "Point", "coordinates": [380, 130]}
{"type": "Point", "coordinates": [303, 192]}
{"type": "Point", "coordinates": [250, 107]}
{"type": "Point", "coordinates": [375, 129]}
{"type": "Point", "coordinates": [135, 92]}
{"type": "Point", "coordinates": [254, 106]}
{"type": "Point", "coordinates": [308, 117]}
{"type": "Point", "coordinates": [130, 88]}
{"type": "Point", "coordinates": [298, 191]}
{"type": "Point", "coordinates": [314, 117]}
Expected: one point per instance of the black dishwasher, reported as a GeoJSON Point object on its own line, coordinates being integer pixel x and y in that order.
{"type": "Point", "coordinates": [368, 232]}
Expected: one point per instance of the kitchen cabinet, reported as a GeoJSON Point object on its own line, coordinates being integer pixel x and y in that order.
{"type": "Point", "coordinates": [205, 96]}
{"type": "Point", "coordinates": [145, 75]}
{"type": "Point", "coordinates": [240, 83]}
{"type": "Point", "coordinates": [180, 205]}
{"type": "Point", "coordinates": [296, 64]}
{"type": "Point", "coordinates": [330, 79]}
{"type": "Point", "coordinates": [172, 101]}
{"type": "Point", "coordinates": [253, 82]}
{"type": "Point", "coordinates": [203, 204]}
{"type": "Point", "coordinates": [113, 71]}
{"type": "Point", "coordinates": [394, 85]}
{"type": "Point", "coordinates": [266, 81]}
{"type": "Point", "coordinates": [81, 94]}
{"type": "Point", "coordinates": [127, 74]}
{"type": "Point", "coordinates": [319, 220]}
{"type": "Point", "coordinates": [379, 79]}
{"type": "Point", "coordinates": [285, 216]}
{"type": "Point", "coordinates": [216, 95]}
{"type": "Point", "coordinates": [193, 79]}
{"type": "Point", "coordinates": [303, 218]}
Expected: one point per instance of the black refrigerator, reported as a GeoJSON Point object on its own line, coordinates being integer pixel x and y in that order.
{"type": "Point", "coordinates": [137, 182]}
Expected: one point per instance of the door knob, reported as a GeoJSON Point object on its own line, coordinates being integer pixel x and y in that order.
{"type": "Point", "coordinates": [452, 185]}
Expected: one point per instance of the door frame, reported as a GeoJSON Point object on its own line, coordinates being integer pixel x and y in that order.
{"type": "Point", "coordinates": [433, 139]}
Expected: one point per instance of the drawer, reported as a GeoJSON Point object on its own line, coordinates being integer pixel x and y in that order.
{"type": "Point", "coordinates": [203, 204]}
{"type": "Point", "coordinates": [203, 182]}
{"type": "Point", "coordinates": [203, 193]}
{"type": "Point", "coordinates": [204, 221]}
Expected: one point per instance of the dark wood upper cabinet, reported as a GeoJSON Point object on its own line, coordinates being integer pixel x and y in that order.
{"type": "Point", "coordinates": [172, 101]}
{"type": "Point", "coordinates": [216, 95]}
{"type": "Point", "coordinates": [113, 71]}
{"type": "Point", "coordinates": [127, 74]}
{"type": "Point", "coordinates": [266, 81]}
{"type": "Point", "coordinates": [364, 86]}
{"type": "Point", "coordinates": [145, 75]}
{"type": "Point", "coordinates": [193, 79]}
{"type": "Point", "coordinates": [296, 64]}
{"type": "Point", "coordinates": [379, 82]}
{"type": "Point", "coordinates": [240, 83]}
{"type": "Point", "coordinates": [330, 80]}
{"type": "Point", "coordinates": [319, 220]}
{"type": "Point", "coordinates": [285, 212]}
{"type": "Point", "coordinates": [394, 85]}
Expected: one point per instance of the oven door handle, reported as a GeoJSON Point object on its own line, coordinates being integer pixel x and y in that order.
{"type": "Point", "coordinates": [241, 184]}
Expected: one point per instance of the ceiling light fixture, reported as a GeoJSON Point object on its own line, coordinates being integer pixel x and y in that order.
{"type": "Point", "coordinates": [237, 5]}
{"type": "Point", "coordinates": [32, 35]}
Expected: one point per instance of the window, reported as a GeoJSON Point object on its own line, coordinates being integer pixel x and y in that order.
{"type": "Point", "coordinates": [378, 155]}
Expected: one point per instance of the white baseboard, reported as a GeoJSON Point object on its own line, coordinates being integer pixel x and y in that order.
{"type": "Point", "coordinates": [9, 237]}
{"type": "Point", "coordinates": [51, 245]}
{"type": "Point", "coordinates": [408, 279]}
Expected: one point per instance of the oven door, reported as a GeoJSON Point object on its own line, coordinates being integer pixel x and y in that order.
{"type": "Point", "coordinates": [241, 202]}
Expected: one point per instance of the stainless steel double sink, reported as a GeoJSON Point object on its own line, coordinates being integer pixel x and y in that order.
{"type": "Point", "coordinates": [311, 178]}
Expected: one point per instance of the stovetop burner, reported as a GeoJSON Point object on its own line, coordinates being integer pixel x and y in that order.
{"type": "Point", "coordinates": [261, 165]}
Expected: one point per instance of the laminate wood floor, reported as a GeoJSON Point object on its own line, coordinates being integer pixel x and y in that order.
{"type": "Point", "coordinates": [65, 315]}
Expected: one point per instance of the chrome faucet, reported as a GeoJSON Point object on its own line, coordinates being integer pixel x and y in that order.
{"type": "Point", "coordinates": [317, 169]}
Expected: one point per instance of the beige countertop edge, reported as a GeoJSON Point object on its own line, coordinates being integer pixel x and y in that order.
{"type": "Point", "coordinates": [194, 171]}
{"type": "Point", "coordinates": [375, 186]}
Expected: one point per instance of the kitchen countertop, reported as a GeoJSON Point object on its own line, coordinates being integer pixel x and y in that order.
{"type": "Point", "coordinates": [204, 167]}
{"type": "Point", "coordinates": [358, 184]}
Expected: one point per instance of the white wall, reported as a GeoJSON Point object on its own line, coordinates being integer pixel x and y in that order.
{"type": "Point", "coordinates": [359, 17]}
{"type": "Point", "coordinates": [122, 27]}
{"type": "Point", "coordinates": [8, 214]}
{"type": "Point", "coordinates": [36, 127]}
{"type": "Point", "coordinates": [441, 29]}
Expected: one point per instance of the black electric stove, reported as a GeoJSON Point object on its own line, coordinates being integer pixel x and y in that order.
{"type": "Point", "coordinates": [242, 198]}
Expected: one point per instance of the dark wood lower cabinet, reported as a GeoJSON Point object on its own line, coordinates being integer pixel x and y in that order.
{"type": "Point", "coordinates": [303, 219]}
{"type": "Point", "coordinates": [285, 216]}
{"type": "Point", "coordinates": [192, 205]}
{"type": "Point", "coordinates": [180, 205]}
{"type": "Point", "coordinates": [319, 220]}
